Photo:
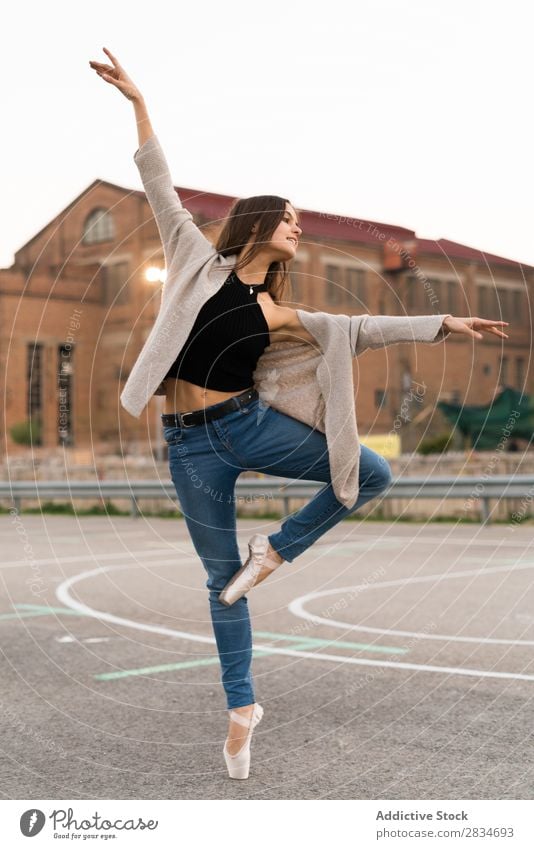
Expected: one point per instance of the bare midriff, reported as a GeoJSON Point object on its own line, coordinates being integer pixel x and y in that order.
{"type": "Point", "coordinates": [183, 397]}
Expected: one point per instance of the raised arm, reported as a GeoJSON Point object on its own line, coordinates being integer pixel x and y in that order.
{"type": "Point", "coordinates": [176, 227]}
{"type": "Point", "coordinates": [117, 76]}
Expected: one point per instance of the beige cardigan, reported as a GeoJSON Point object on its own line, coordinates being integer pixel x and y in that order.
{"type": "Point", "coordinates": [312, 384]}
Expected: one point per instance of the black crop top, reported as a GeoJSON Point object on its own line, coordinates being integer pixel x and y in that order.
{"type": "Point", "coordinates": [229, 335]}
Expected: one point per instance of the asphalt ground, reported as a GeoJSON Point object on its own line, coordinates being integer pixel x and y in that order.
{"type": "Point", "coordinates": [393, 661]}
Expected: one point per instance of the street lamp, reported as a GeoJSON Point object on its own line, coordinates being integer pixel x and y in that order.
{"type": "Point", "coordinates": [154, 274]}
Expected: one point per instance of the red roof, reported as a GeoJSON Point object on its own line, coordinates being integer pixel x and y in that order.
{"type": "Point", "coordinates": [445, 248]}
{"type": "Point", "coordinates": [343, 228]}
{"type": "Point", "coordinates": [322, 225]}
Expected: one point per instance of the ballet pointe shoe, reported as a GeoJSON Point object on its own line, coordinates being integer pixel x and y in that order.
{"type": "Point", "coordinates": [247, 576]}
{"type": "Point", "coordinates": [238, 765]}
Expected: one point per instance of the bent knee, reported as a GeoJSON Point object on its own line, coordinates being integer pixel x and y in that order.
{"type": "Point", "coordinates": [384, 474]}
{"type": "Point", "coordinates": [381, 475]}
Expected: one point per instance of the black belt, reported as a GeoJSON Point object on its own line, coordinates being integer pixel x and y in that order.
{"type": "Point", "coordinates": [196, 417]}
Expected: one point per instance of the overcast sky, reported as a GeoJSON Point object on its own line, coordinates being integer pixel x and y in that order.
{"type": "Point", "coordinates": [416, 113]}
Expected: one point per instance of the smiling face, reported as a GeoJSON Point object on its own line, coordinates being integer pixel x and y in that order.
{"type": "Point", "coordinates": [284, 241]}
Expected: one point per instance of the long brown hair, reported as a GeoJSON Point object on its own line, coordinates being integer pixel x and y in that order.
{"type": "Point", "coordinates": [266, 212]}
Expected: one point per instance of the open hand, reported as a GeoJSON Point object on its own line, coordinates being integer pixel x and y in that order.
{"type": "Point", "coordinates": [473, 326]}
{"type": "Point", "coordinates": [117, 76]}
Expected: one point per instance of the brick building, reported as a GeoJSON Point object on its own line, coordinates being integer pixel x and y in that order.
{"type": "Point", "coordinates": [82, 294]}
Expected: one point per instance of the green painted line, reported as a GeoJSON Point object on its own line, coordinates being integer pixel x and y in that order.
{"type": "Point", "coordinates": [4, 616]}
{"type": "Point", "coordinates": [297, 644]}
{"type": "Point", "coordinates": [315, 641]}
{"type": "Point", "coordinates": [303, 645]}
{"type": "Point", "coordinates": [32, 610]}
{"type": "Point", "coordinates": [43, 608]}
{"type": "Point", "coordinates": [171, 667]}
{"type": "Point", "coordinates": [147, 670]}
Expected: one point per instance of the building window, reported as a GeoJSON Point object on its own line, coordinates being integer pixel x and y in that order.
{"type": "Point", "coordinates": [406, 376]}
{"type": "Point", "coordinates": [412, 293]}
{"type": "Point", "coordinates": [65, 395]}
{"type": "Point", "coordinates": [98, 227]}
{"type": "Point", "coordinates": [380, 398]}
{"type": "Point", "coordinates": [34, 383]}
{"type": "Point", "coordinates": [504, 371]}
{"type": "Point", "coordinates": [334, 283]}
{"type": "Point", "coordinates": [433, 293]}
{"type": "Point", "coordinates": [121, 373]}
{"type": "Point", "coordinates": [495, 303]}
{"type": "Point", "coordinates": [355, 283]}
{"type": "Point", "coordinates": [517, 305]}
{"type": "Point", "coordinates": [482, 301]}
{"type": "Point", "coordinates": [345, 284]}
{"type": "Point", "coordinates": [520, 372]}
{"type": "Point", "coordinates": [504, 296]}
{"type": "Point", "coordinates": [115, 288]}
{"type": "Point", "coordinates": [451, 297]}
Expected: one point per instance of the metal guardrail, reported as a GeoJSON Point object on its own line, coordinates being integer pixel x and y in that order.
{"type": "Point", "coordinates": [470, 488]}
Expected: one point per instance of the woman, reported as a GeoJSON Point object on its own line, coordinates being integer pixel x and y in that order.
{"type": "Point", "coordinates": [215, 423]}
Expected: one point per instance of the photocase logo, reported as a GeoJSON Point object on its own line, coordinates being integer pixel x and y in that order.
{"type": "Point", "coordinates": [31, 822]}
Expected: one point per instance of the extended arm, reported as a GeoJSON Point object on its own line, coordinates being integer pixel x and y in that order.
{"type": "Point", "coordinates": [175, 223]}
{"type": "Point", "coordinates": [378, 331]}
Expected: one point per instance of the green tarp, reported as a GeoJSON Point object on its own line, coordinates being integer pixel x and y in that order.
{"type": "Point", "coordinates": [509, 416]}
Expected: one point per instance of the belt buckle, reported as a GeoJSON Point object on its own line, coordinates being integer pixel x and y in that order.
{"type": "Point", "coordinates": [246, 398]}
{"type": "Point", "coordinates": [183, 423]}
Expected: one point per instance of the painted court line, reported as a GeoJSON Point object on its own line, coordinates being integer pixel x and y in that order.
{"type": "Point", "coordinates": [97, 555]}
{"type": "Point", "coordinates": [63, 594]}
{"type": "Point", "coordinates": [31, 610]}
{"type": "Point", "coordinates": [298, 643]}
{"type": "Point", "coordinates": [297, 608]}
{"type": "Point", "coordinates": [317, 641]}
{"type": "Point", "coordinates": [171, 667]}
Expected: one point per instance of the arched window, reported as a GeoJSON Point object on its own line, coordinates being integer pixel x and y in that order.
{"type": "Point", "coordinates": [98, 227]}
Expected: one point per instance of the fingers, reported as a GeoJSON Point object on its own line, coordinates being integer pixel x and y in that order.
{"type": "Point", "coordinates": [109, 79]}
{"type": "Point", "coordinates": [491, 327]}
{"type": "Point", "coordinates": [495, 332]}
{"type": "Point", "coordinates": [473, 326]}
{"type": "Point", "coordinates": [470, 330]}
{"type": "Point", "coordinates": [111, 56]}
{"type": "Point", "coordinates": [107, 73]}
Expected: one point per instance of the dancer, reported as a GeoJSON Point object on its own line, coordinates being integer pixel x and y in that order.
{"type": "Point", "coordinates": [220, 321]}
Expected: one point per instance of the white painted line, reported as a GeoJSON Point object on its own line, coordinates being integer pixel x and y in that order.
{"type": "Point", "coordinates": [297, 606]}
{"type": "Point", "coordinates": [96, 640]}
{"type": "Point", "coordinates": [63, 594]}
{"type": "Point", "coordinates": [69, 639]}
{"type": "Point", "coordinates": [97, 555]}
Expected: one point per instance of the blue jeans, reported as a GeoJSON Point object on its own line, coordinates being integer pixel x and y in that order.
{"type": "Point", "coordinates": [205, 461]}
